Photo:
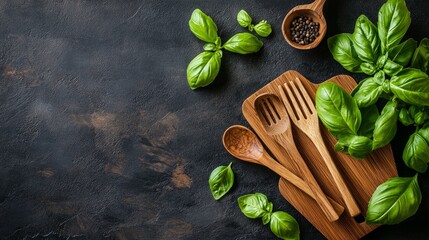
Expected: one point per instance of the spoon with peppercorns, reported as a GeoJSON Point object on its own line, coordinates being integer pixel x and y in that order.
{"type": "Point", "coordinates": [305, 26]}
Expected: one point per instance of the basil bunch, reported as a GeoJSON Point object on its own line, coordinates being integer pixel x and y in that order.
{"type": "Point", "coordinates": [256, 205]}
{"type": "Point", "coordinates": [263, 28]}
{"type": "Point", "coordinates": [204, 68]}
{"type": "Point", "coordinates": [398, 76]}
{"type": "Point", "coordinates": [221, 181]}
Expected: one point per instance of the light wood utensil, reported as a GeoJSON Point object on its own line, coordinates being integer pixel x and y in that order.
{"type": "Point", "coordinates": [313, 10]}
{"type": "Point", "coordinates": [275, 119]}
{"type": "Point", "coordinates": [243, 144]}
{"type": "Point", "coordinates": [303, 114]}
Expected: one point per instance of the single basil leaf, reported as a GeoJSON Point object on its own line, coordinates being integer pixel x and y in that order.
{"type": "Point", "coordinates": [381, 61]}
{"type": "Point", "coordinates": [203, 26]}
{"type": "Point", "coordinates": [284, 226]}
{"type": "Point", "coordinates": [385, 126]}
{"type": "Point", "coordinates": [243, 18]}
{"type": "Point", "coordinates": [413, 110]}
{"type": "Point", "coordinates": [405, 118]}
{"type": "Point", "coordinates": [420, 58]}
{"type": "Point", "coordinates": [266, 218]}
{"type": "Point", "coordinates": [337, 110]}
{"type": "Point", "coordinates": [343, 143]}
{"type": "Point", "coordinates": [424, 132]}
{"type": "Point", "coordinates": [366, 40]}
{"type": "Point", "coordinates": [360, 147]}
{"type": "Point", "coordinates": [341, 47]}
{"type": "Point", "coordinates": [221, 180]}
{"type": "Point", "coordinates": [368, 93]}
{"type": "Point", "coordinates": [209, 47]}
{"type": "Point", "coordinates": [391, 68]}
{"type": "Point", "coordinates": [415, 153]}
{"type": "Point", "coordinates": [203, 69]}
{"type": "Point", "coordinates": [255, 205]}
{"type": "Point", "coordinates": [263, 28]}
{"type": "Point", "coordinates": [393, 22]}
{"type": "Point", "coordinates": [421, 117]}
{"type": "Point", "coordinates": [411, 86]}
{"type": "Point", "coordinates": [368, 68]}
{"type": "Point", "coordinates": [402, 53]}
{"type": "Point", "coordinates": [370, 115]}
{"type": "Point", "coordinates": [394, 201]}
{"type": "Point", "coordinates": [243, 43]}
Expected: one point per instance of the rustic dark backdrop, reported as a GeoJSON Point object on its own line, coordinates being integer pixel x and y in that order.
{"type": "Point", "coordinates": [101, 137]}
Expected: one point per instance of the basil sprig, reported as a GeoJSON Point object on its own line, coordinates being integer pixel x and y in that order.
{"type": "Point", "coordinates": [257, 205]}
{"type": "Point", "coordinates": [221, 181]}
{"type": "Point", "coordinates": [263, 28]}
{"type": "Point", "coordinates": [203, 69]}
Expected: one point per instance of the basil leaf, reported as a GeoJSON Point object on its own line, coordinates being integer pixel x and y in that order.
{"type": "Point", "coordinates": [263, 28]}
{"type": "Point", "coordinates": [368, 93]}
{"type": "Point", "coordinates": [360, 147]}
{"type": "Point", "coordinates": [244, 19]}
{"type": "Point", "coordinates": [255, 205]}
{"type": "Point", "coordinates": [405, 118]}
{"type": "Point", "coordinates": [341, 47]}
{"type": "Point", "coordinates": [385, 126]}
{"type": "Point", "coordinates": [337, 110]}
{"type": "Point", "coordinates": [411, 86]}
{"type": "Point", "coordinates": [402, 53]}
{"type": "Point", "coordinates": [284, 226]}
{"type": "Point", "coordinates": [415, 153]}
{"type": "Point", "coordinates": [366, 41]}
{"type": "Point", "coordinates": [266, 218]}
{"type": "Point", "coordinates": [209, 47]}
{"type": "Point", "coordinates": [381, 61]}
{"type": "Point", "coordinates": [420, 118]}
{"type": "Point", "coordinates": [421, 56]}
{"type": "Point", "coordinates": [394, 201]}
{"type": "Point", "coordinates": [221, 180]}
{"type": "Point", "coordinates": [391, 68]}
{"type": "Point", "coordinates": [368, 68]}
{"type": "Point", "coordinates": [243, 43]}
{"type": "Point", "coordinates": [203, 69]}
{"type": "Point", "coordinates": [393, 22]}
{"type": "Point", "coordinates": [370, 115]}
{"type": "Point", "coordinates": [203, 26]}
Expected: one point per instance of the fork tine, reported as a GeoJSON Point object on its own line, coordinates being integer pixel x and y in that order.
{"type": "Point", "coordinates": [302, 105]}
{"type": "Point", "coordinates": [292, 104]}
{"type": "Point", "coordinates": [307, 97]}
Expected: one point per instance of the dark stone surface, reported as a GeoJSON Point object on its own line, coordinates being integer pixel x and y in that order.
{"type": "Point", "coordinates": [101, 137]}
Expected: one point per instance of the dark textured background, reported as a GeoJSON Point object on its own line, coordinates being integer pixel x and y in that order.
{"type": "Point", "coordinates": [101, 137]}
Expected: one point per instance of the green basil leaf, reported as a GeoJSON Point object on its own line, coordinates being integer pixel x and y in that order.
{"type": "Point", "coordinates": [411, 86]}
{"type": "Point", "coordinates": [385, 126]}
{"type": "Point", "coordinates": [343, 143]}
{"type": "Point", "coordinates": [381, 61]}
{"type": "Point", "coordinates": [391, 68]}
{"type": "Point", "coordinates": [415, 153]}
{"type": "Point", "coordinates": [394, 201]}
{"type": "Point", "coordinates": [221, 180]}
{"type": "Point", "coordinates": [263, 28]}
{"type": "Point", "coordinates": [266, 218]}
{"type": "Point", "coordinates": [341, 47]}
{"type": "Point", "coordinates": [368, 68]}
{"type": "Point", "coordinates": [360, 147]}
{"type": "Point", "coordinates": [393, 22]}
{"type": "Point", "coordinates": [284, 226]}
{"type": "Point", "coordinates": [368, 93]}
{"type": "Point", "coordinates": [405, 118]}
{"type": "Point", "coordinates": [402, 53]}
{"type": "Point", "coordinates": [203, 26]}
{"type": "Point", "coordinates": [420, 58]}
{"type": "Point", "coordinates": [203, 69]}
{"type": "Point", "coordinates": [255, 205]}
{"type": "Point", "coordinates": [370, 115]}
{"type": "Point", "coordinates": [413, 110]}
{"type": "Point", "coordinates": [243, 18]}
{"type": "Point", "coordinates": [366, 41]}
{"type": "Point", "coordinates": [209, 47]}
{"type": "Point", "coordinates": [421, 117]}
{"type": "Point", "coordinates": [337, 110]}
{"type": "Point", "coordinates": [424, 132]}
{"type": "Point", "coordinates": [243, 43]}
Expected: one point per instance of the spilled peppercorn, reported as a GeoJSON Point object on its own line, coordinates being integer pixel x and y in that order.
{"type": "Point", "coordinates": [303, 30]}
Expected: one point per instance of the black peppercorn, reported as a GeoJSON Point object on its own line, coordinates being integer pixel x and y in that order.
{"type": "Point", "coordinates": [304, 30]}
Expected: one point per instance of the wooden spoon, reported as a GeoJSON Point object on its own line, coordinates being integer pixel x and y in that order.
{"type": "Point", "coordinates": [243, 144]}
{"type": "Point", "coordinates": [313, 10]}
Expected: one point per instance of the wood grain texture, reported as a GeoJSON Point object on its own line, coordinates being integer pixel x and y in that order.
{"type": "Point", "coordinates": [361, 176]}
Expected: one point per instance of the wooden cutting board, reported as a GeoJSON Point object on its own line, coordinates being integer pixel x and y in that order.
{"type": "Point", "coordinates": [361, 176]}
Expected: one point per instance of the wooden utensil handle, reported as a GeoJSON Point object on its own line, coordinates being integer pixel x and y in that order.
{"type": "Point", "coordinates": [350, 202]}
{"type": "Point", "coordinates": [295, 157]}
{"type": "Point", "coordinates": [317, 6]}
{"type": "Point", "coordinates": [295, 180]}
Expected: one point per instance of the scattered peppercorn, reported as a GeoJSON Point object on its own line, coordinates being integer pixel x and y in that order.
{"type": "Point", "coordinates": [303, 30]}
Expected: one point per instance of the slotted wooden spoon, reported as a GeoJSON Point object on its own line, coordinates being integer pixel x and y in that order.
{"type": "Point", "coordinates": [275, 120]}
{"type": "Point", "coordinates": [303, 114]}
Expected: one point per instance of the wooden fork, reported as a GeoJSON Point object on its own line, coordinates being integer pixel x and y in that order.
{"type": "Point", "coordinates": [303, 114]}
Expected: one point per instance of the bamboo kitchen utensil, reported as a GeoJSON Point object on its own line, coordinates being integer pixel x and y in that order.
{"type": "Point", "coordinates": [303, 114]}
{"type": "Point", "coordinates": [275, 119]}
{"type": "Point", "coordinates": [243, 144]}
{"type": "Point", "coordinates": [313, 10]}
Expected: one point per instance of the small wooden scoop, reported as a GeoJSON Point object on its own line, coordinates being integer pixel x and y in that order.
{"type": "Point", "coordinates": [313, 10]}
{"type": "Point", "coordinates": [243, 144]}
{"type": "Point", "coordinates": [275, 119]}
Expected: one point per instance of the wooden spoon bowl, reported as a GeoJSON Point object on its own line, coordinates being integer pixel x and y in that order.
{"type": "Point", "coordinates": [314, 11]}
